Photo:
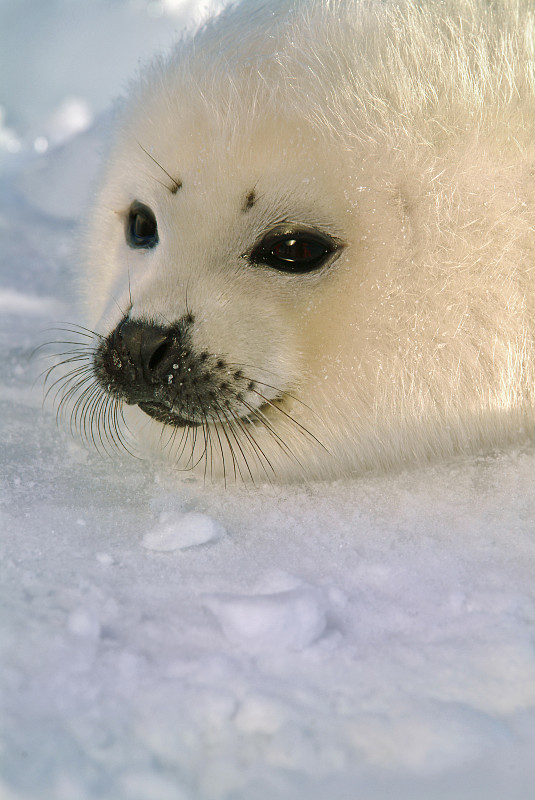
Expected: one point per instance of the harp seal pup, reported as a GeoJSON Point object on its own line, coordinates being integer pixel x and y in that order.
{"type": "Point", "coordinates": [312, 252]}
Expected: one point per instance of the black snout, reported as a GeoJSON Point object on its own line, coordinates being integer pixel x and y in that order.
{"type": "Point", "coordinates": [156, 367]}
{"type": "Point", "coordinates": [148, 349]}
{"type": "Point", "coordinates": [141, 362]}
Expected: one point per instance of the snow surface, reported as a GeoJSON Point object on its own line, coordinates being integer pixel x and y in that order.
{"type": "Point", "coordinates": [167, 640]}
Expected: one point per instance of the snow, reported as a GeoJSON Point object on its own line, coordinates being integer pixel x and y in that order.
{"type": "Point", "coordinates": [163, 639]}
{"type": "Point", "coordinates": [290, 620]}
{"type": "Point", "coordinates": [176, 531]}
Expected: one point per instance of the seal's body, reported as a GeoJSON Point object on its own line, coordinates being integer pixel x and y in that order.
{"type": "Point", "coordinates": [312, 252]}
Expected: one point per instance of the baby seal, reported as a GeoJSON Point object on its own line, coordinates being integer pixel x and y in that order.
{"type": "Point", "coordinates": [312, 250]}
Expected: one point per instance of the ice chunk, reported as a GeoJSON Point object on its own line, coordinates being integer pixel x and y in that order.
{"type": "Point", "coordinates": [178, 531]}
{"type": "Point", "coordinates": [289, 620]}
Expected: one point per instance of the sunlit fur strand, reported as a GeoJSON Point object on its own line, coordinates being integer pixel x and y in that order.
{"type": "Point", "coordinates": [480, 54]}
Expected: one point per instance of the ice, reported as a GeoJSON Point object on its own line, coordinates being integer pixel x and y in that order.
{"type": "Point", "coordinates": [163, 638]}
{"type": "Point", "coordinates": [180, 531]}
{"type": "Point", "coordinates": [105, 559]}
{"type": "Point", "coordinates": [260, 714]}
{"type": "Point", "coordinates": [291, 620]}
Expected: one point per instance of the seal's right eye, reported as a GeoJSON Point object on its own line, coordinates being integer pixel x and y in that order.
{"type": "Point", "coordinates": [141, 230]}
{"type": "Point", "coordinates": [294, 249]}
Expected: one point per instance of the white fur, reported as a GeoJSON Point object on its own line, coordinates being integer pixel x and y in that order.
{"type": "Point", "coordinates": [404, 129]}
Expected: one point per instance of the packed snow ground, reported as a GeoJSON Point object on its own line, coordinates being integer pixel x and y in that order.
{"type": "Point", "coordinates": [167, 640]}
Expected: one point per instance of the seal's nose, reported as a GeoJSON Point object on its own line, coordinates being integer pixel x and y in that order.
{"type": "Point", "coordinates": [147, 348]}
{"type": "Point", "coordinates": [138, 358]}
{"type": "Point", "coordinates": [150, 365]}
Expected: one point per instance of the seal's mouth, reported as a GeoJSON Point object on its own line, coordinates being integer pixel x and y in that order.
{"type": "Point", "coordinates": [163, 413]}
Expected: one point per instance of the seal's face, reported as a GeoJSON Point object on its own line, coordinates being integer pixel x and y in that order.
{"type": "Point", "coordinates": [207, 297]}
{"type": "Point", "coordinates": [160, 368]}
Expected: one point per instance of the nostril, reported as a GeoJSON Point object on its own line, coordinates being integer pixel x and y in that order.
{"type": "Point", "coordinates": [145, 351]}
{"type": "Point", "coordinates": [160, 354]}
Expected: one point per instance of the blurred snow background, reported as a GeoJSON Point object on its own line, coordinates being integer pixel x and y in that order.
{"type": "Point", "coordinates": [166, 640]}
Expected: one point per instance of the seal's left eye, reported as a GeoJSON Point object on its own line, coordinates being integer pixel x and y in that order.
{"type": "Point", "coordinates": [141, 229]}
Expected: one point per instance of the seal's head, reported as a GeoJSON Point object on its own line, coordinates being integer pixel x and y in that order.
{"type": "Point", "coordinates": [294, 267]}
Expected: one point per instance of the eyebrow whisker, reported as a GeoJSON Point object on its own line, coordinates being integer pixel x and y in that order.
{"type": "Point", "coordinates": [177, 184]}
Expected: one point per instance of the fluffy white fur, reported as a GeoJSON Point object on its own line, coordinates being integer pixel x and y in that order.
{"type": "Point", "coordinates": [403, 129]}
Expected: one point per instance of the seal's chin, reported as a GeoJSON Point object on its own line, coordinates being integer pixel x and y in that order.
{"type": "Point", "coordinates": [163, 414]}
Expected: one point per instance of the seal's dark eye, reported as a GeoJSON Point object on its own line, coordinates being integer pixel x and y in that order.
{"type": "Point", "coordinates": [291, 249]}
{"type": "Point", "coordinates": [141, 228]}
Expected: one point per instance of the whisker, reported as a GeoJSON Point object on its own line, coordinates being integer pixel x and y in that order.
{"type": "Point", "coordinates": [118, 435]}
{"type": "Point", "coordinates": [47, 373]}
{"type": "Point", "coordinates": [208, 443]}
{"type": "Point", "coordinates": [84, 417]}
{"type": "Point", "coordinates": [67, 393]}
{"type": "Point", "coordinates": [292, 420]}
{"type": "Point", "coordinates": [208, 435]}
{"type": "Point", "coordinates": [81, 403]}
{"type": "Point", "coordinates": [63, 380]}
{"type": "Point", "coordinates": [257, 414]}
{"type": "Point", "coordinates": [71, 382]}
{"type": "Point", "coordinates": [231, 449]}
{"type": "Point", "coordinates": [236, 422]}
{"type": "Point", "coordinates": [268, 385]}
{"type": "Point", "coordinates": [176, 183]}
